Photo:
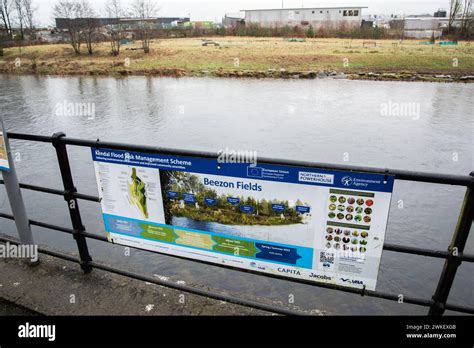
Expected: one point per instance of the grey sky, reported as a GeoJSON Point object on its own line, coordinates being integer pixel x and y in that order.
{"type": "Point", "coordinates": [214, 10]}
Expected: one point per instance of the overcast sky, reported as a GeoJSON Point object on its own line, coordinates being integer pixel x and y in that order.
{"type": "Point", "coordinates": [214, 10]}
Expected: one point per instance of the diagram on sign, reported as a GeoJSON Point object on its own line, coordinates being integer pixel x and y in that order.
{"type": "Point", "coordinates": [137, 193]}
{"type": "Point", "coordinates": [130, 191]}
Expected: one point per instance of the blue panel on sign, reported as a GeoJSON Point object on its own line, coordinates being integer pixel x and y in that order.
{"type": "Point", "coordinates": [233, 200]}
{"type": "Point", "coordinates": [279, 208]}
{"type": "Point", "coordinates": [247, 209]}
{"type": "Point", "coordinates": [267, 172]}
{"type": "Point", "coordinates": [277, 253]}
{"type": "Point", "coordinates": [210, 201]}
{"type": "Point", "coordinates": [173, 194]}
{"type": "Point", "coordinates": [189, 198]}
{"type": "Point", "coordinates": [302, 210]}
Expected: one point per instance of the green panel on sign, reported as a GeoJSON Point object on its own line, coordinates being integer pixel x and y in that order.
{"type": "Point", "coordinates": [164, 234]}
{"type": "Point", "coordinates": [234, 246]}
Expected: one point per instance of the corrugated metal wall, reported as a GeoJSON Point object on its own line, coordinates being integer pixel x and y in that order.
{"type": "Point", "coordinates": [303, 17]}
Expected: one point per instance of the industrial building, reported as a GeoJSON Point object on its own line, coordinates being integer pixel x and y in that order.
{"type": "Point", "coordinates": [126, 23]}
{"type": "Point", "coordinates": [232, 20]}
{"type": "Point", "coordinates": [425, 26]}
{"type": "Point", "coordinates": [317, 17]}
{"type": "Point", "coordinates": [421, 27]}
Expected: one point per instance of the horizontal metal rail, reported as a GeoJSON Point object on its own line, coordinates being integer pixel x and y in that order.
{"type": "Point", "coordinates": [387, 246]}
{"type": "Point", "coordinates": [362, 292]}
{"type": "Point", "coordinates": [57, 192]}
{"type": "Point", "coordinates": [55, 228]}
{"type": "Point", "coordinates": [445, 179]}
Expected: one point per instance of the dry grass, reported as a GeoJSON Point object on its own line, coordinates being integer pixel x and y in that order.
{"type": "Point", "coordinates": [188, 56]}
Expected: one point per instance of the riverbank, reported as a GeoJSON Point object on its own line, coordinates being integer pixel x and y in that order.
{"type": "Point", "coordinates": [245, 57]}
{"type": "Point", "coordinates": [58, 287]}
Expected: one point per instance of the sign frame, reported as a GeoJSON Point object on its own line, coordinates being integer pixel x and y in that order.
{"type": "Point", "coordinates": [332, 232]}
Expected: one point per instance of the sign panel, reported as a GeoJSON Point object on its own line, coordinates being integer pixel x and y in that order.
{"type": "Point", "coordinates": [320, 225]}
{"type": "Point", "coordinates": [4, 165]}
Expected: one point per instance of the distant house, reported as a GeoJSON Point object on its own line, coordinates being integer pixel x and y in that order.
{"type": "Point", "coordinates": [232, 20]}
{"type": "Point", "coordinates": [318, 17]}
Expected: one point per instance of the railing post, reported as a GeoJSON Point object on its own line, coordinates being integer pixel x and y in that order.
{"type": "Point", "coordinates": [16, 198]}
{"type": "Point", "coordinates": [69, 190]}
{"type": "Point", "coordinates": [456, 248]}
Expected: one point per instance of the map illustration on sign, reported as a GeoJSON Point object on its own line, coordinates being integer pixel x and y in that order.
{"type": "Point", "coordinates": [320, 225]}
{"type": "Point", "coordinates": [137, 190]}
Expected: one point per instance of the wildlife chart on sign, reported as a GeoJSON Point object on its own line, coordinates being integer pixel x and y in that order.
{"type": "Point", "coordinates": [320, 225]}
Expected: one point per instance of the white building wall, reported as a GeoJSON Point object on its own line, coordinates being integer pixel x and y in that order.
{"type": "Point", "coordinates": [422, 24]}
{"type": "Point", "coordinates": [423, 34]}
{"type": "Point", "coordinates": [327, 17]}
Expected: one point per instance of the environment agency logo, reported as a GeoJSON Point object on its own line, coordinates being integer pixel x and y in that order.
{"type": "Point", "coordinates": [347, 181]}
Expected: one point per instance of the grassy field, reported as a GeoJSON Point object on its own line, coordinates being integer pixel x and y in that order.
{"type": "Point", "coordinates": [244, 55]}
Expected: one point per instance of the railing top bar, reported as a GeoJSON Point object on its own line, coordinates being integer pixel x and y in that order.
{"type": "Point", "coordinates": [445, 179]}
{"type": "Point", "coordinates": [32, 137]}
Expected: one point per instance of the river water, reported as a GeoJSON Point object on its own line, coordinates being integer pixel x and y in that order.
{"type": "Point", "coordinates": [413, 126]}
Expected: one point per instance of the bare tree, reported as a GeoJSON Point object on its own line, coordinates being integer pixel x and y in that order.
{"type": "Point", "coordinates": [145, 10]}
{"type": "Point", "coordinates": [20, 17]}
{"type": "Point", "coordinates": [68, 10]}
{"type": "Point", "coordinates": [90, 24]}
{"type": "Point", "coordinates": [114, 9]}
{"type": "Point", "coordinates": [466, 19]}
{"type": "Point", "coordinates": [24, 13]}
{"type": "Point", "coordinates": [29, 12]}
{"type": "Point", "coordinates": [5, 12]}
{"type": "Point", "coordinates": [455, 9]}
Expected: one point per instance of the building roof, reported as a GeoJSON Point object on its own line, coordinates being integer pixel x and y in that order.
{"type": "Point", "coordinates": [307, 8]}
{"type": "Point", "coordinates": [420, 19]}
{"type": "Point", "coordinates": [233, 15]}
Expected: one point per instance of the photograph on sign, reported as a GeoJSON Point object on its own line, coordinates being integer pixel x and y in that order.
{"type": "Point", "coordinates": [319, 225]}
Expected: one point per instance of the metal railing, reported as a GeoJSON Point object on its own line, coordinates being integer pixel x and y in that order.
{"type": "Point", "coordinates": [454, 255]}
